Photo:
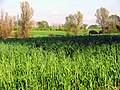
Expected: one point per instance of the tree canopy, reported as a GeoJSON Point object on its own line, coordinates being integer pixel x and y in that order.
{"type": "Point", "coordinates": [74, 21]}
{"type": "Point", "coordinates": [93, 27]}
{"type": "Point", "coordinates": [43, 24]}
{"type": "Point", "coordinates": [26, 15]}
{"type": "Point", "coordinates": [102, 15]}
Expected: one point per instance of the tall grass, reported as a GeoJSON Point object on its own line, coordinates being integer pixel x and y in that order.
{"type": "Point", "coordinates": [60, 63]}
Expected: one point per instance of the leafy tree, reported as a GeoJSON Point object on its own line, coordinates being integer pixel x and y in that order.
{"type": "Point", "coordinates": [43, 24]}
{"type": "Point", "coordinates": [93, 27]}
{"type": "Point", "coordinates": [62, 27]}
{"type": "Point", "coordinates": [26, 15]}
{"type": "Point", "coordinates": [70, 22]}
{"type": "Point", "coordinates": [83, 26]}
{"type": "Point", "coordinates": [102, 16]}
{"type": "Point", "coordinates": [79, 18]}
{"type": "Point", "coordinates": [114, 21]}
{"type": "Point", "coordinates": [16, 21]}
{"type": "Point", "coordinates": [115, 18]}
{"type": "Point", "coordinates": [73, 22]}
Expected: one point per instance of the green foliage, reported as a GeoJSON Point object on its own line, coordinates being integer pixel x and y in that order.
{"type": "Point", "coordinates": [43, 24]}
{"type": "Point", "coordinates": [109, 24]}
{"type": "Point", "coordinates": [114, 25]}
{"type": "Point", "coordinates": [102, 15]}
{"type": "Point", "coordinates": [73, 22]}
{"type": "Point", "coordinates": [37, 33]}
{"type": "Point", "coordinates": [93, 27]}
{"type": "Point", "coordinates": [51, 34]}
{"type": "Point", "coordinates": [61, 27]}
{"type": "Point", "coordinates": [68, 63]}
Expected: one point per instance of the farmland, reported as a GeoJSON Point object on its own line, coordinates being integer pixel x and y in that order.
{"type": "Point", "coordinates": [52, 45]}
{"type": "Point", "coordinates": [60, 63]}
{"type": "Point", "coordinates": [44, 33]}
{"type": "Point", "coordinates": [36, 32]}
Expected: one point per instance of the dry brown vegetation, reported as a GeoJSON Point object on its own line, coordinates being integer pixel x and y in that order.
{"type": "Point", "coordinates": [6, 24]}
{"type": "Point", "coordinates": [9, 23]}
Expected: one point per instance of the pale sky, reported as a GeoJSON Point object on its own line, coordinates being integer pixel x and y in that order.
{"type": "Point", "coordinates": [55, 11]}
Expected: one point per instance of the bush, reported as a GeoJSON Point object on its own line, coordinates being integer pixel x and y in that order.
{"type": "Point", "coordinates": [93, 27]}
{"type": "Point", "coordinates": [93, 32]}
{"type": "Point", "coordinates": [100, 32]}
{"type": "Point", "coordinates": [52, 35]}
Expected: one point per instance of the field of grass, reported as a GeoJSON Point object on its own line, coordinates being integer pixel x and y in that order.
{"type": "Point", "coordinates": [47, 33]}
{"type": "Point", "coordinates": [60, 63]}
{"type": "Point", "coordinates": [36, 32]}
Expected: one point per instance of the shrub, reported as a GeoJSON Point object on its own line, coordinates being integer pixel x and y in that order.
{"type": "Point", "coordinates": [93, 32]}
{"type": "Point", "coordinates": [52, 35]}
{"type": "Point", "coordinates": [6, 24]}
{"type": "Point", "coordinates": [100, 32]}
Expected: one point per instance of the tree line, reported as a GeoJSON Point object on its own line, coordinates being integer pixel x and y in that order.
{"type": "Point", "coordinates": [107, 23]}
{"type": "Point", "coordinates": [73, 22]}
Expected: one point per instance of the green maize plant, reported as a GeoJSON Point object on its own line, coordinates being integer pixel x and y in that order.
{"type": "Point", "coordinates": [60, 63]}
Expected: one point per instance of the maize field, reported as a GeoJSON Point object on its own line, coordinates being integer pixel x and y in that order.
{"type": "Point", "coordinates": [60, 63]}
